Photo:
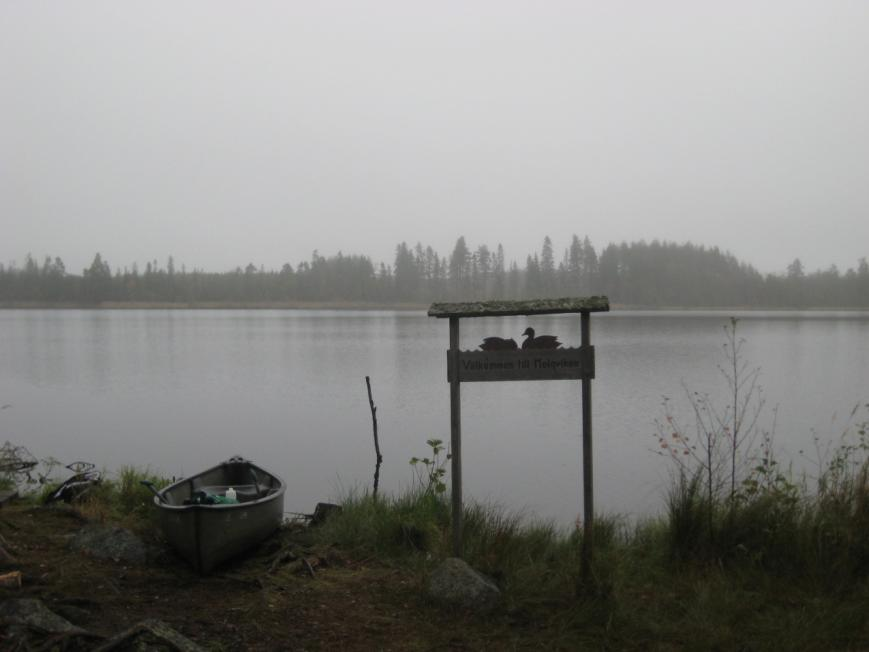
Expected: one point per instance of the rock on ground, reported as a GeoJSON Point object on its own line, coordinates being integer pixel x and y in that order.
{"type": "Point", "coordinates": [454, 582]}
{"type": "Point", "coordinates": [33, 613]}
{"type": "Point", "coordinates": [150, 635]}
{"type": "Point", "coordinates": [27, 624]}
{"type": "Point", "coordinates": [113, 543]}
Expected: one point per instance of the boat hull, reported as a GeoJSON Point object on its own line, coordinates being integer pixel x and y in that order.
{"type": "Point", "coordinates": [208, 534]}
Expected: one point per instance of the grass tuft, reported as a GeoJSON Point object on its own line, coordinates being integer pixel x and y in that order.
{"type": "Point", "coordinates": [120, 497]}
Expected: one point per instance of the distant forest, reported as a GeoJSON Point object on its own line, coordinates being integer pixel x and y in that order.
{"type": "Point", "coordinates": [649, 274]}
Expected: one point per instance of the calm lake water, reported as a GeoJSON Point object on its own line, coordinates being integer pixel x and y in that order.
{"type": "Point", "coordinates": [180, 390]}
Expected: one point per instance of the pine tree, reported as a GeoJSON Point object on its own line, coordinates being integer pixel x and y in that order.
{"type": "Point", "coordinates": [459, 269]}
{"type": "Point", "coordinates": [546, 285]}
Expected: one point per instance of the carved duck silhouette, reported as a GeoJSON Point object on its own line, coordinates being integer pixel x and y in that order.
{"type": "Point", "coordinates": [498, 344]}
{"type": "Point", "coordinates": [539, 342]}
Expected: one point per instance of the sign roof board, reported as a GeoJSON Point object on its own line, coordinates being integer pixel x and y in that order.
{"type": "Point", "coordinates": [526, 307]}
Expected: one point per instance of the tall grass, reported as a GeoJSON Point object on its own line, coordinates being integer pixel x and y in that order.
{"type": "Point", "coordinates": [732, 503]}
{"type": "Point", "coordinates": [690, 517]}
{"type": "Point", "coordinates": [703, 575]}
{"type": "Point", "coordinates": [815, 529]}
{"type": "Point", "coordinates": [533, 561]}
{"type": "Point", "coordinates": [121, 497]}
{"type": "Point", "coordinates": [774, 527]}
{"type": "Point", "coordinates": [392, 526]}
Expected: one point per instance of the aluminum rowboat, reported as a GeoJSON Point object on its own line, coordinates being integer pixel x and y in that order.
{"type": "Point", "coordinates": [208, 534]}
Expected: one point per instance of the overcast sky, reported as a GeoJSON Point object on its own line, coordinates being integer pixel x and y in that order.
{"type": "Point", "coordinates": [232, 132]}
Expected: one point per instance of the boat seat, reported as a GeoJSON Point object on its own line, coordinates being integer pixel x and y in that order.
{"type": "Point", "coordinates": [245, 493]}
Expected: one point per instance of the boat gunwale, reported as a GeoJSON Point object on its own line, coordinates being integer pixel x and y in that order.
{"type": "Point", "coordinates": [274, 495]}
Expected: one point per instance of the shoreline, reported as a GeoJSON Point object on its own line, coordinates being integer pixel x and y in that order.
{"type": "Point", "coordinates": [371, 306]}
{"type": "Point", "coordinates": [213, 305]}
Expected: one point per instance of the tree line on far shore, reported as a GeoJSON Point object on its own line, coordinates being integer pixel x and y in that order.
{"type": "Point", "coordinates": [652, 274]}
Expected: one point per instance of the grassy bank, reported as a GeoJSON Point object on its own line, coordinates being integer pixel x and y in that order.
{"type": "Point", "coordinates": [778, 571]}
{"type": "Point", "coordinates": [784, 565]}
{"type": "Point", "coordinates": [756, 559]}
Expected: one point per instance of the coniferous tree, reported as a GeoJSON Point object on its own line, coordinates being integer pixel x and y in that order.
{"type": "Point", "coordinates": [483, 259]}
{"type": "Point", "coordinates": [514, 281]}
{"type": "Point", "coordinates": [609, 270]}
{"type": "Point", "coordinates": [406, 273]}
{"type": "Point", "coordinates": [459, 269]}
{"type": "Point", "coordinates": [546, 282]}
{"type": "Point", "coordinates": [533, 283]}
{"type": "Point", "coordinates": [97, 280]}
{"type": "Point", "coordinates": [589, 283]}
{"type": "Point", "coordinates": [575, 267]}
{"type": "Point", "coordinates": [499, 276]}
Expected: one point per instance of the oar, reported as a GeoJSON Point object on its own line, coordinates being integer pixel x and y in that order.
{"type": "Point", "coordinates": [150, 485]}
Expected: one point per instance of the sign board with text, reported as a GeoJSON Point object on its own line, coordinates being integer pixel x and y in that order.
{"type": "Point", "coordinates": [531, 364]}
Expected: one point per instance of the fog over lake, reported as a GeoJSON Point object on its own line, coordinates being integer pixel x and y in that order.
{"type": "Point", "coordinates": [224, 134]}
{"type": "Point", "coordinates": [179, 390]}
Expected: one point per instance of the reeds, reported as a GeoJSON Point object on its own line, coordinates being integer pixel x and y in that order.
{"type": "Point", "coordinates": [121, 497]}
{"type": "Point", "coordinates": [810, 528]}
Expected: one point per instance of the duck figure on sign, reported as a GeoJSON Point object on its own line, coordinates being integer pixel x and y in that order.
{"type": "Point", "coordinates": [539, 342]}
{"type": "Point", "coordinates": [498, 344]}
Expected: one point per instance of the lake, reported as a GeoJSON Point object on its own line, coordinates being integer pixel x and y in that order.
{"type": "Point", "coordinates": [178, 390]}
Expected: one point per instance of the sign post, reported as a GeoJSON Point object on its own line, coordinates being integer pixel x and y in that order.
{"type": "Point", "coordinates": [587, 458]}
{"type": "Point", "coordinates": [456, 439]}
{"type": "Point", "coordinates": [539, 358]}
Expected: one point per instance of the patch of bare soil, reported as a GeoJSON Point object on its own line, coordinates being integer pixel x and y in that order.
{"type": "Point", "coordinates": [285, 595]}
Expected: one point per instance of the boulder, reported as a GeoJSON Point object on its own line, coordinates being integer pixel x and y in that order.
{"type": "Point", "coordinates": [33, 613]}
{"type": "Point", "coordinates": [75, 615]}
{"type": "Point", "coordinates": [455, 583]}
{"type": "Point", "coordinates": [105, 542]}
{"type": "Point", "coordinates": [27, 624]}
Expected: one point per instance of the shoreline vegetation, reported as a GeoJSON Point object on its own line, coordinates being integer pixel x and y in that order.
{"type": "Point", "coordinates": [648, 274]}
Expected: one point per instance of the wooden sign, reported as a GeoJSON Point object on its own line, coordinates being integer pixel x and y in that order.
{"type": "Point", "coordinates": [522, 364]}
{"type": "Point", "coordinates": [539, 358]}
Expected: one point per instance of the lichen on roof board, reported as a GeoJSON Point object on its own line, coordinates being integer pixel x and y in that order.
{"type": "Point", "coordinates": [522, 307]}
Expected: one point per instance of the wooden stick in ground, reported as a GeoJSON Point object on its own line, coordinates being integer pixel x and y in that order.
{"type": "Point", "coordinates": [376, 441]}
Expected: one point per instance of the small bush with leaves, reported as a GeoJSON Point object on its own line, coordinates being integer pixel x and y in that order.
{"type": "Point", "coordinates": [429, 472]}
